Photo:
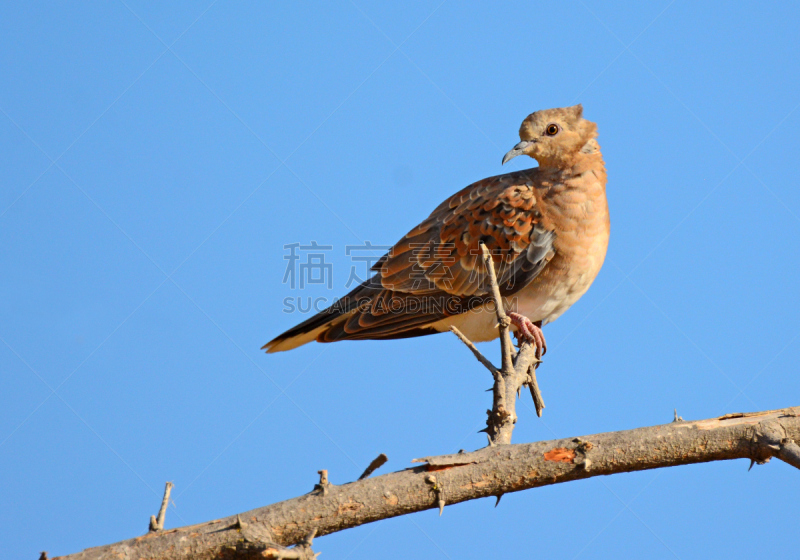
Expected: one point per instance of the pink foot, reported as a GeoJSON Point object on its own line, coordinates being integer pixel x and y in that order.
{"type": "Point", "coordinates": [529, 331]}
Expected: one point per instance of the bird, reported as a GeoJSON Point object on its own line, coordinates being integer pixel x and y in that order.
{"type": "Point", "coordinates": [547, 230]}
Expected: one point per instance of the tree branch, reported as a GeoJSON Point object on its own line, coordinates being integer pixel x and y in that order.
{"type": "Point", "coordinates": [517, 369]}
{"type": "Point", "coordinates": [491, 471]}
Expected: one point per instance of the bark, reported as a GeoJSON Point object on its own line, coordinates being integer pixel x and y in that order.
{"type": "Point", "coordinates": [450, 479]}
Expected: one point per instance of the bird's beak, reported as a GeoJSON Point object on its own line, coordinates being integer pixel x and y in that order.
{"type": "Point", "coordinates": [516, 150]}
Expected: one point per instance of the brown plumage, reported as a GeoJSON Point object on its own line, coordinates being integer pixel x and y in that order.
{"type": "Point", "coordinates": [547, 229]}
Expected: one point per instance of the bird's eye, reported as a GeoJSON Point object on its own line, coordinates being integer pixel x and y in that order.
{"type": "Point", "coordinates": [552, 129]}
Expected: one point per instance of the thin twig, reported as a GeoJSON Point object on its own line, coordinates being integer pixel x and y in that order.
{"type": "Point", "coordinates": [477, 353]}
{"type": "Point", "coordinates": [536, 394]}
{"type": "Point", "coordinates": [506, 347]}
{"type": "Point", "coordinates": [376, 463]}
{"type": "Point", "coordinates": [323, 486]}
{"type": "Point", "coordinates": [157, 523]}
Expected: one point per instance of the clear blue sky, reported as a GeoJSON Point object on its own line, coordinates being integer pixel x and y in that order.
{"type": "Point", "coordinates": [157, 157]}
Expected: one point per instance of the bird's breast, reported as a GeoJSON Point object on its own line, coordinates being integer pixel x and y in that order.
{"type": "Point", "coordinates": [578, 214]}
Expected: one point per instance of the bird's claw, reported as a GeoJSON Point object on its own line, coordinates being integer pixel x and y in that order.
{"type": "Point", "coordinates": [529, 331]}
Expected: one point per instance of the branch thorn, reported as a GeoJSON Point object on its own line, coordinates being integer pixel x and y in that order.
{"type": "Point", "coordinates": [239, 525]}
{"type": "Point", "coordinates": [437, 489]}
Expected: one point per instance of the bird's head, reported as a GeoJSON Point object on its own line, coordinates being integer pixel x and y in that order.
{"type": "Point", "coordinates": [554, 136]}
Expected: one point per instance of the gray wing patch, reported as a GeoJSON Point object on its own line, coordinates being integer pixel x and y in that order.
{"type": "Point", "coordinates": [528, 266]}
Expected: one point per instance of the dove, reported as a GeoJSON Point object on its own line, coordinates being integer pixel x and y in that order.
{"type": "Point", "coordinates": [547, 229]}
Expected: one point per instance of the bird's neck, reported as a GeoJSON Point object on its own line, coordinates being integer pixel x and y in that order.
{"type": "Point", "coordinates": [561, 175]}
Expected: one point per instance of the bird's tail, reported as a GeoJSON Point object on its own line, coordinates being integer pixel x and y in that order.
{"type": "Point", "coordinates": [311, 329]}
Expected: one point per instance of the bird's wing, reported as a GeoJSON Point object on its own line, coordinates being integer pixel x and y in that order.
{"type": "Point", "coordinates": [443, 253]}
{"type": "Point", "coordinates": [436, 270]}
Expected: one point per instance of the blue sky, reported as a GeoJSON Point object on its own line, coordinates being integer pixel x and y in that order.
{"type": "Point", "coordinates": [157, 157]}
